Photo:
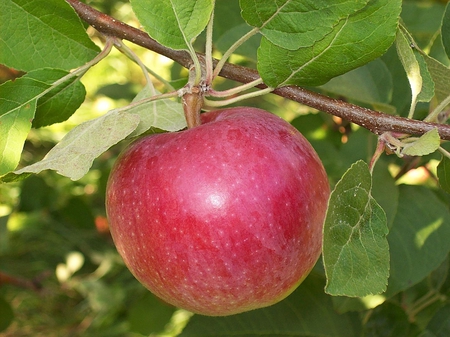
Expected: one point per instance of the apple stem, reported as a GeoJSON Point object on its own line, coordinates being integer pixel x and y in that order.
{"type": "Point", "coordinates": [208, 50]}
{"type": "Point", "coordinates": [379, 150]}
{"type": "Point", "coordinates": [215, 104]}
{"type": "Point", "coordinates": [192, 105]}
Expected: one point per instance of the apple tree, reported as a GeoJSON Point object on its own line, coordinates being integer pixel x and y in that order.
{"type": "Point", "coordinates": [366, 82]}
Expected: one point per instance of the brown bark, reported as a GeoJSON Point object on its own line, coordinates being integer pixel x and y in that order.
{"type": "Point", "coordinates": [374, 121]}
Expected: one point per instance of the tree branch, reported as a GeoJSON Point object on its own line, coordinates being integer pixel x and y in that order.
{"type": "Point", "coordinates": [374, 121]}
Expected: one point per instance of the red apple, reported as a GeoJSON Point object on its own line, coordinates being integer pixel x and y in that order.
{"type": "Point", "coordinates": [222, 218]}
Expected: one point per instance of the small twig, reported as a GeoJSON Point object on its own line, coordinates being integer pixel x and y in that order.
{"type": "Point", "coordinates": [423, 303]}
{"type": "Point", "coordinates": [34, 284]}
{"type": "Point", "coordinates": [374, 121]}
{"type": "Point", "coordinates": [145, 70]}
{"type": "Point", "coordinates": [409, 164]}
{"type": "Point", "coordinates": [132, 56]}
{"type": "Point", "coordinates": [134, 104]}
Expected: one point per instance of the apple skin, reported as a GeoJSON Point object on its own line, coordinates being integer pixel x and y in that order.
{"type": "Point", "coordinates": [222, 218]}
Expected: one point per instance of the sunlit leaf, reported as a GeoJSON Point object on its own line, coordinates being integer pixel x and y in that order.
{"type": "Point", "coordinates": [21, 102]}
{"type": "Point", "coordinates": [18, 101]}
{"type": "Point", "coordinates": [32, 36]}
{"type": "Point", "coordinates": [426, 144]}
{"type": "Point", "coordinates": [422, 86]}
{"type": "Point", "coordinates": [410, 64]}
{"type": "Point", "coordinates": [173, 23]}
{"type": "Point", "coordinates": [73, 155]}
{"type": "Point", "coordinates": [355, 249]}
{"type": "Point", "coordinates": [164, 114]}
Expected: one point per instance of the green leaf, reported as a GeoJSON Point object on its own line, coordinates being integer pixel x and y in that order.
{"type": "Point", "coordinates": [371, 83]}
{"type": "Point", "coordinates": [42, 33]}
{"type": "Point", "coordinates": [427, 92]}
{"type": "Point", "coordinates": [36, 195]}
{"type": "Point", "coordinates": [422, 86]}
{"type": "Point", "coordinates": [248, 49]}
{"type": "Point", "coordinates": [385, 190]}
{"type": "Point", "coordinates": [77, 213]}
{"type": "Point", "coordinates": [227, 15]}
{"type": "Point", "coordinates": [426, 144]}
{"type": "Point", "coordinates": [4, 235]}
{"type": "Point", "coordinates": [73, 156]}
{"type": "Point", "coordinates": [424, 22]}
{"type": "Point", "coordinates": [294, 24]}
{"type": "Point", "coordinates": [355, 249]}
{"type": "Point", "coordinates": [439, 325]}
{"type": "Point", "coordinates": [61, 102]}
{"type": "Point", "coordinates": [437, 278]}
{"type": "Point", "coordinates": [441, 77]}
{"type": "Point", "coordinates": [445, 30]}
{"type": "Point", "coordinates": [164, 114]}
{"type": "Point", "coordinates": [174, 23]}
{"type": "Point", "coordinates": [148, 314]}
{"type": "Point", "coordinates": [17, 107]}
{"type": "Point", "coordinates": [348, 46]}
{"type": "Point", "coordinates": [410, 64]}
{"type": "Point", "coordinates": [443, 172]}
{"type": "Point", "coordinates": [300, 314]}
{"type": "Point", "coordinates": [19, 101]}
{"type": "Point", "coordinates": [418, 239]}
{"type": "Point", "coordinates": [388, 320]}
{"type": "Point", "coordinates": [6, 314]}
{"type": "Point", "coordinates": [343, 304]}
{"type": "Point", "coordinates": [401, 93]}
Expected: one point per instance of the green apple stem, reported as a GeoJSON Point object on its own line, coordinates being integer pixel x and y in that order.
{"type": "Point", "coordinates": [434, 116]}
{"type": "Point", "coordinates": [192, 105]}
{"type": "Point", "coordinates": [235, 90]}
{"type": "Point", "coordinates": [208, 51]}
{"type": "Point", "coordinates": [444, 152]}
{"type": "Point", "coordinates": [79, 72]}
{"type": "Point", "coordinates": [215, 104]}
{"type": "Point", "coordinates": [145, 70]}
{"type": "Point", "coordinates": [134, 104]}
{"type": "Point", "coordinates": [231, 50]}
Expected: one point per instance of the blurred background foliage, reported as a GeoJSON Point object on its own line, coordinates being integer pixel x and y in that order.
{"type": "Point", "coordinates": [60, 274]}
